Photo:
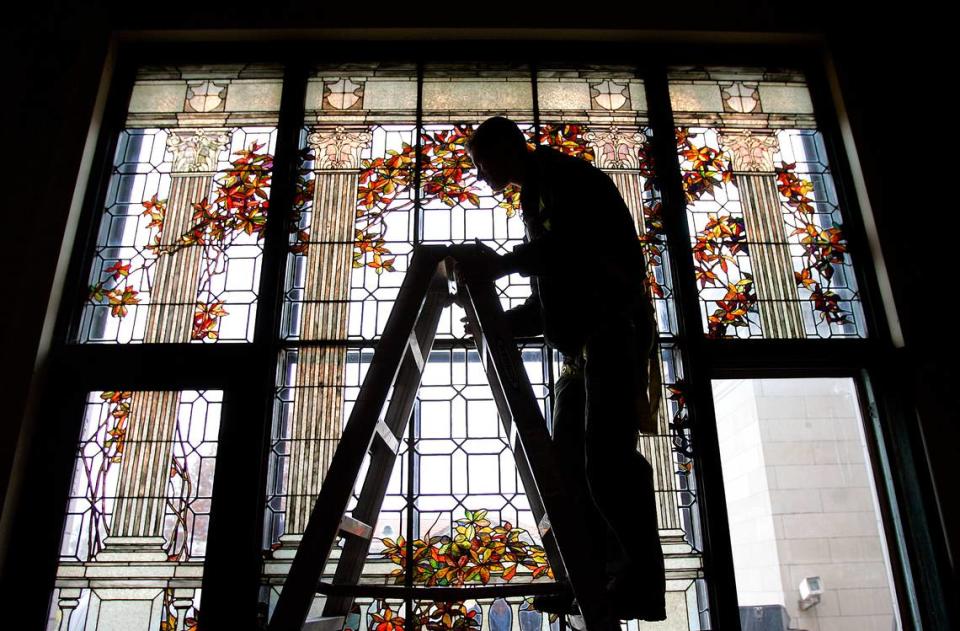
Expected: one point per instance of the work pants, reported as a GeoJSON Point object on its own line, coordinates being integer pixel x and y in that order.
{"type": "Point", "coordinates": [595, 431]}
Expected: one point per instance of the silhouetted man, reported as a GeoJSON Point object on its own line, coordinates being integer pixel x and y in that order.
{"type": "Point", "coordinates": [586, 269]}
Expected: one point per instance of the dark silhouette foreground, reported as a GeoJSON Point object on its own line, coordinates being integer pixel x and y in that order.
{"type": "Point", "coordinates": [585, 264]}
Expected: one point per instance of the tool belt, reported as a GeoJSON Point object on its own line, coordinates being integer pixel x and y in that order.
{"type": "Point", "coordinates": [573, 364]}
{"type": "Point", "coordinates": [650, 397]}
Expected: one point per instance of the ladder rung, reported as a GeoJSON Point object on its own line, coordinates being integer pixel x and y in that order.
{"type": "Point", "coordinates": [388, 437]}
{"type": "Point", "coordinates": [439, 594]}
{"type": "Point", "coordinates": [415, 351]}
{"type": "Point", "coordinates": [513, 434]}
{"type": "Point", "coordinates": [544, 525]}
{"type": "Point", "coordinates": [327, 623]}
{"type": "Point", "coordinates": [355, 527]}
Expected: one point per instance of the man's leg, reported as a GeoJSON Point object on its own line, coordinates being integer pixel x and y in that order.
{"type": "Point", "coordinates": [569, 423]}
{"type": "Point", "coordinates": [620, 479]}
{"type": "Point", "coordinates": [568, 439]}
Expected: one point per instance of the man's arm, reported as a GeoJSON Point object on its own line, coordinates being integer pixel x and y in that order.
{"type": "Point", "coordinates": [532, 258]}
{"type": "Point", "coordinates": [525, 319]}
{"type": "Point", "coordinates": [574, 239]}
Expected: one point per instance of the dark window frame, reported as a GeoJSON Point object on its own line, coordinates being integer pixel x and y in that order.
{"type": "Point", "coordinates": [232, 570]}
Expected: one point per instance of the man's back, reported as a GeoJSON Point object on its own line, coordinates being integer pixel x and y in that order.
{"type": "Point", "coordinates": [584, 253]}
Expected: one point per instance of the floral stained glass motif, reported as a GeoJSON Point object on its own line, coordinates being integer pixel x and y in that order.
{"type": "Point", "coordinates": [139, 505]}
{"type": "Point", "coordinates": [476, 551]}
{"type": "Point", "coordinates": [177, 257]}
{"type": "Point", "coordinates": [769, 246]}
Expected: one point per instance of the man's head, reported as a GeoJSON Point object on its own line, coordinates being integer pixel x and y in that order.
{"type": "Point", "coordinates": [497, 147]}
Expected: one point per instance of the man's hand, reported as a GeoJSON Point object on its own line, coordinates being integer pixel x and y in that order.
{"type": "Point", "coordinates": [477, 261]}
{"type": "Point", "coordinates": [467, 329]}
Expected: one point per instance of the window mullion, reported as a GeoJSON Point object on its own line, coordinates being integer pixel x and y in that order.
{"type": "Point", "coordinates": [276, 232]}
{"type": "Point", "coordinates": [718, 557]}
{"type": "Point", "coordinates": [234, 561]}
{"type": "Point", "coordinates": [418, 152]}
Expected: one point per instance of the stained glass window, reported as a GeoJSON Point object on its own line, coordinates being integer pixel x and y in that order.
{"type": "Point", "coordinates": [177, 258]}
{"type": "Point", "coordinates": [769, 244]}
{"type": "Point", "coordinates": [139, 506]}
{"type": "Point", "coordinates": [184, 252]}
{"type": "Point", "coordinates": [363, 120]}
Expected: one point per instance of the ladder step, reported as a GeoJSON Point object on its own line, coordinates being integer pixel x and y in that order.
{"type": "Point", "coordinates": [415, 351]}
{"type": "Point", "coordinates": [544, 525]}
{"type": "Point", "coordinates": [388, 437]}
{"type": "Point", "coordinates": [443, 593]}
{"type": "Point", "coordinates": [327, 623]}
{"type": "Point", "coordinates": [355, 527]}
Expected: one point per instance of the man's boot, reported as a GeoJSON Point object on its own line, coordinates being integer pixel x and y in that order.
{"type": "Point", "coordinates": [563, 603]}
{"type": "Point", "coordinates": [630, 599]}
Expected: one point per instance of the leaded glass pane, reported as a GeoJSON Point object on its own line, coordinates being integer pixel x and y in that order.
{"type": "Point", "coordinates": [354, 207]}
{"type": "Point", "coordinates": [458, 208]}
{"type": "Point", "coordinates": [139, 501]}
{"type": "Point", "coordinates": [466, 475]}
{"type": "Point", "coordinates": [318, 389]}
{"type": "Point", "coordinates": [177, 256]}
{"type": "Point", "coordinates": [770, 252]}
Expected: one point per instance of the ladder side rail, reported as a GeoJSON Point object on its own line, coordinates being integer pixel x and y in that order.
{"type": "Point", "coordinates": [512, 391]}
{"type": "Point", "coordinates": [523, 465]}
{"type": "Point", "coordinates": [300, 587]}
{"type": "Point", "coordinates": [487, 322]}
{"type": "Point", "coordinates": [383, 459]}
{"type": "Point", "coordinates": [526, 477]}
{"type": "Point", "coordinates": [567, 522]}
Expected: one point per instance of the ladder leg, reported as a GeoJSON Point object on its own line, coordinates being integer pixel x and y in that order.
{"type": "Point", "coordinates": [374, 489]}
{"type": "Point", "coordinates": [300, 588]}
{"type": "Point", "coordinates": [535, 456]}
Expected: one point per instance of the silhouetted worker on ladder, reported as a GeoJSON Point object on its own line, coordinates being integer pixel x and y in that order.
{"type": "Point", "coordinates": [588, 300]}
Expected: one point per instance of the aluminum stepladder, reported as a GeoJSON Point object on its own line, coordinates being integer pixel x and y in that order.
{"type": "Point", "coordinates": [375, 427]}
